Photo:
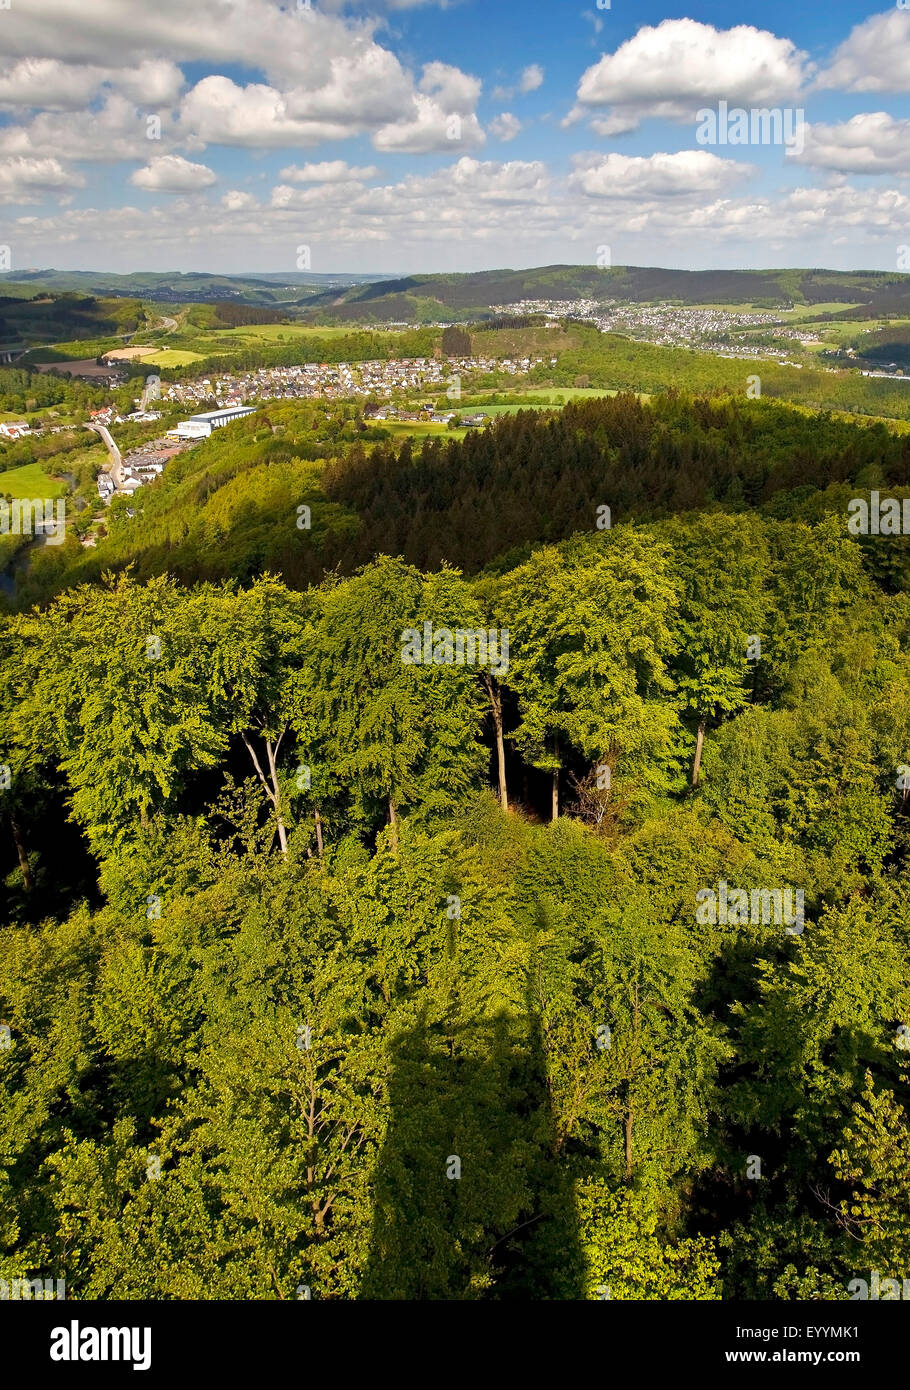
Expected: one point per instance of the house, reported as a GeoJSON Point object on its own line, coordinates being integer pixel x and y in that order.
{"type": "Point", "coordinates": [105, 486]}
{"type": "Point", "coordinates": [14, 429]}
{"type": "Point", "coordinates": [473, 421]}
{"type": "Point", "coordinates": [129, 486]}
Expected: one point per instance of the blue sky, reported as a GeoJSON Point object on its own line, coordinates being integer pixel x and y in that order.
{"type": "Point", "coordinates": [406, 135]}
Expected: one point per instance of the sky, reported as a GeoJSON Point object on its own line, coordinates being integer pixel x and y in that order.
{"type": "Point", "coordinates": [397, 136]}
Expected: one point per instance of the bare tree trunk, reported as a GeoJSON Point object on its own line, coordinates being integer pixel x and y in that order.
{"type": "Point", "coordinates": [272, 790]}
{"type": "Point", "coordinates": [555, 815]}
{"type": "Point", "coordinates": [393, 822]}
{"type": "Point", "coordinates": [25, 867]}
{"type": "Point", "coordinates": [699, 745]}
{"type": "Point", "coordinates": [496, 706]}
{"type": "Point", "coordinates": [318, 819]}
{"type": "Point", "coordinates": [276, 797]}
{"type": "Point", "coordinates": [627, 1140]}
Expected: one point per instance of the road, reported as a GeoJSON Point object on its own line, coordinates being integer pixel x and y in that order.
{"type": "Point", "coordinates": [116, 469]}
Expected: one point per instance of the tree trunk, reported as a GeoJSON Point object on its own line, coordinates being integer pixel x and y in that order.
{"type": "Point", "coordinates": [276, 797]}
{"type": "Point", "coordinates": [25, 867]}
{"type": "Point", "coordinates": [393, 822]}
{"type": "Point", "coordinates": [318, 818]}
{"type": "Point", "coordinates": [270, 785]}
{"type": "Point", "coordinates": [555, 815]}
{"type": "Point", "coordinates": [627, 1139]}
{"type": "Point", "coordinates": [699, 745]}
{"type": "Point", "coordinates": [496, 706]}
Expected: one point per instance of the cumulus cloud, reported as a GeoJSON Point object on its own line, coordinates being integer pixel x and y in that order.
{"type": "Point", "coordinates": [328, 171]}
{"type": "Point", "coordinates": [217, 111]}
{"type": "Point", "coordinates": [48, 83]}
{"type": "Point", "coordinates": [53, 85]}
{"type": "Point", "coordinates": [672, 70]}
{"type": "Point", "coordinates": [531, 78]}
{"type": "Point", "coordinates": [360, 93]}
{"type": "Point", "coordinates": [171, 173]}
{"type": "Point", "coordinates": [116, 131]}
{"type": "Point", "coordinates": [235, 200]}
{"type": "Point", "coordinates": [429, 128]}
{"type": "Point", "coordinates": [688, 173]}
{"type": "Point", "coordinates": [871, 143]}
{"type": "Point", "coordinates": [326, 76]}
{"type": "Point", "coordinates": [874, 58]}
{"type": "Point", "coordinates": [505, 126]}
{"type": "Point", "coordinates": [440, 115]}
{"type": "Point", "coordinates": [31, 180]}
{"type": "Point", "coordinates": [491, 210]}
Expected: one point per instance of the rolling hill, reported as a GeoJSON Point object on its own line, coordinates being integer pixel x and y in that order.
{"type": "Point", "coordinates": [428, 298]}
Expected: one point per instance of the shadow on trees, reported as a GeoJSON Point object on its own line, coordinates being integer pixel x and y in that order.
{"type": "Point", "coordinates": [471, 1101]}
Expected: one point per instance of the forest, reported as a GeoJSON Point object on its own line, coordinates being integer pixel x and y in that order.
{"type": "Point", "coordinates": [328, 974]}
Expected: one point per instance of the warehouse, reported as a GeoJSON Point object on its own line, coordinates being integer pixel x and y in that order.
{"type": "Point", "coordinates": [201, 426]}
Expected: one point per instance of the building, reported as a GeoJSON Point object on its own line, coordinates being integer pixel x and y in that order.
{"type": "Point", "coordinates": [14, 429]}
{"type": "Point", "coordinates": [105, 487]}
{"type": "Point", "coordinates": [201, 426]}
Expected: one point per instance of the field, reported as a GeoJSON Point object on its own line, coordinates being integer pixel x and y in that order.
{"type": "Point", "coordinates": [31, 481]}
{"type": "Point", "coordinates": [172, 357]}
{"type": "Point", "coordinates": [281, 332]}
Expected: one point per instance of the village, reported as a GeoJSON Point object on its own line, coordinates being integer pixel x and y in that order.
{"type": "Point", "coordinates": [339, 380]}
{"type": "Point", "coordinates": [232, 395]}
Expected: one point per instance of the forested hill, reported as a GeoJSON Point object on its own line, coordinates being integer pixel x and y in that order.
{"type": "Point", "coordinates": [424, 297]}
{"type": "Point", "coordinates": [292, 1001]}
{"type": "Point", "coordinates": [229, 508]}
{"type": "Point", "coordinates": [527, 922]}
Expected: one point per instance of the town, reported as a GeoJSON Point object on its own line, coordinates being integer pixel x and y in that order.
{"type": "Point", "coordinates": [716, 330]}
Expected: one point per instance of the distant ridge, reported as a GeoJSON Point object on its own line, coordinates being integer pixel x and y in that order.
{"type": "Point", "coordinates": [425, 298]}
{"type": "Point", "coordinates": [340, 297]}
{"type": "Point", "coordinates": [291, 287]}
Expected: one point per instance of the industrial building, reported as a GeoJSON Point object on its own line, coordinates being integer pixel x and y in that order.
{"type": "Point", "coordinates": [201, 426]}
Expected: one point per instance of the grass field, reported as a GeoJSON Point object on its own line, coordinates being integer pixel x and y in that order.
{"type": "Point", "coordinates": [30, 481]}
{"type": "Point", "coordinates": [172, 357]}
{"type": "Point", "coordinates": [287, 332]}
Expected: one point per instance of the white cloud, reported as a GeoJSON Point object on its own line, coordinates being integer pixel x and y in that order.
{"type": "Point", "coordinates": [673, 69]}
{"type": "Point", "coordinates": [450, 87]}
{"type": "Point", "coordinates": [237, 201]}
{"type": "Point", "coordinates": [326, 76]}
{"type": "Point", "coordinates": [875, 57]}
{"type": "Point", "coordinates": [429, 128]}
{"type": "Point", "coordinates": [170, 173]}
{"type": "Point", "coordinates": [53, 85]}
{"type": "Point", "coordinates": [370, 91]}
{"type": "Point", "coordinates": [329, 171]}
{"type": "Point", "coordinates": [531, 78]}
{"type": "Point", "coordinates": [31, 180]}
{"type": "Point", "coordinates": [505, 126]}
{"type": "Point", "coordinates": [219, 112]}
{"type": "Point", "coordinates": [155, 83]}
{"type": "Point", "coordinates": [48, 83]}
{"type": "Point", "coordinates": [690, 173]}
{"type": "Point", "coordinates": [117, 131]}
{"type": "Point", "coordinates": [339, 196]}
{"type": "Point", "coordinates": [872, 143]}
{"type": "Point", "coordinates": [489, 213]}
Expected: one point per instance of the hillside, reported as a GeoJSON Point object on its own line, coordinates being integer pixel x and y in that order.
{"type": "Point", "coordinates": [180, 287]}
{"type": "Point", "coordinates": [430, 297]}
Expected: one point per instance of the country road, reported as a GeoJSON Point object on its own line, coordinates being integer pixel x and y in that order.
{"type": "Point", "coordinates": [116, 461]}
